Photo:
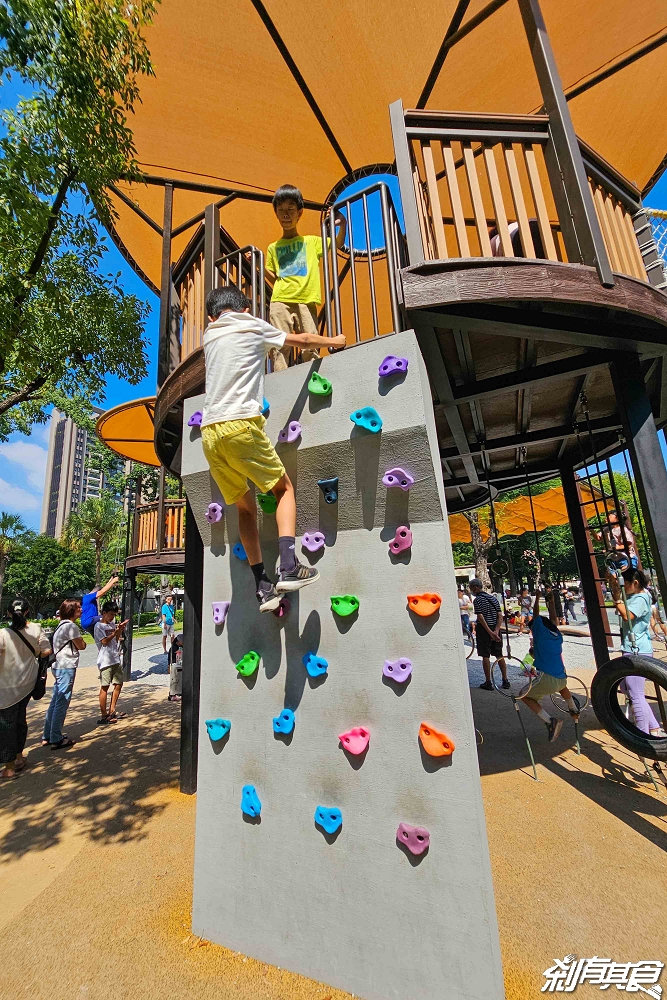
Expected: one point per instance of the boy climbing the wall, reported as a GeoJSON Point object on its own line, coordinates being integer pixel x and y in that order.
{"type": "Point", "coordinates": [236, 448]}
{"type": "Point", "coordinates": [293, 262]}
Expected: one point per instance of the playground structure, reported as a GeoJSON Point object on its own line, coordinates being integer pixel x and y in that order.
{"type": "Point", "coordinates": [532, 362]}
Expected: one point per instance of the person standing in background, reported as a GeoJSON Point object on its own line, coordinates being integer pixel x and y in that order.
{"type": "Point", "coordinates": [168, 618]}
{"type": "Point", "coordinates": [67, 644]}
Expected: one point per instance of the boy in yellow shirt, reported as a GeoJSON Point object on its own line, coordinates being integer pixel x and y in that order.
{"type": "Point", "coordinates": [294, 263]}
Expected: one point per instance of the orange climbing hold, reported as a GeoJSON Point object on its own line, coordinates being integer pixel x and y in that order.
{"type": "Point", "coordinates": [424, 604]}
{"type": "Point", "coordinates": [435, 743]}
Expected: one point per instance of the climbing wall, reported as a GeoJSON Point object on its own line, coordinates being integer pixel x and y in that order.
{"type": "Point", "coordinates": [396, 901]}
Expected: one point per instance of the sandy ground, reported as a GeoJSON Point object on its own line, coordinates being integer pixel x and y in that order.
{"type": "Point", "coordinates": [96, 853]}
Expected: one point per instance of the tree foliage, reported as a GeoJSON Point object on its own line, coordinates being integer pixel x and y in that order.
{"type": "Point", "coordinates": [95, 522]}
{"type": "Point", "coordinates": [45, 572]}
{"type": "Point", "coordinates": [12, 532]}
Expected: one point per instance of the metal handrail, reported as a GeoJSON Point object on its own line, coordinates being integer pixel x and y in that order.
{"type": "Point", "coordinates": [247, 263]}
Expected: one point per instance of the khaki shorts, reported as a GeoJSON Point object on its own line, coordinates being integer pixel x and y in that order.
{"type": "Point", "coordinates": [111, 675]}
{"type": "Point", "coordinates": [545, 685]}
{"type": "Point", "coordinates": [293, 317]}
{"type": "Point", "coordinates": [238, 451]}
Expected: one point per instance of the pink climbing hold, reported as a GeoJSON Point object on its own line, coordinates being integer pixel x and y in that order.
{"type": "Point", "coordinates": [398, 670]}
{"type": "Point", "coordinates": [220, 609]}
{"type": "Point", "coordinates": [196, 419]}
{"type": "Point", "coordinates": [401, 541]}
{"type": "Point", "coordinates": [355, 740]}
{"type": "Point", "coordinates": [290, 432]}
{"type": "Point", "coordinates": [398, 477]}
{"type": "Point", "coordinates": [415, 838]}
{"type": "Point", "coordinates": [282, 608]}
{"type": "Point", "coordinates": [313, 541]}
{"type": "Point", "coordinates": [214, 513]}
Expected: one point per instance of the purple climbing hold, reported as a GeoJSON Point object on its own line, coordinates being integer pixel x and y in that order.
{"type": "Point", "coordinates": [214, 513]}
{"type": "Point", "coordinates": [313, 541]}
{"type": "Point", "coordinates": [415, 838]}
{"type": "Point", "coordinates": [290, 432]}
{"type": "Point", "coordinates": [392, 364]}
{"type": "Point", "coordinates": [220, 609]}
{"type": "Point", "coordinates": [397, 670]}
{"type": "Point", "coordinates": [196, 419]}
{"type": "Point", "coordinates": [398, 477]}
{"type": "Point", "coordinates": [401, 541]}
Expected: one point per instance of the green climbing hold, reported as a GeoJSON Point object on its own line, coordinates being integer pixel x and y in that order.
{"type": "Point", "coordinates": [345, 605]}
{"type": "Point", "coordinates": [319, 385]}
{"type": "Point", "coordinates": [267, 502]}
{"type": "Point", "coordinates": [248, 664]}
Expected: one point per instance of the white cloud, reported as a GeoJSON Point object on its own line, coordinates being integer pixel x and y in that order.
{"type": "Point", "coordinates": [30, 457]}
{"type": "Point", "coordinates": [16, 500]}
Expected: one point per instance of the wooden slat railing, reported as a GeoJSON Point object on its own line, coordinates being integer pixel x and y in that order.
{"type": "Point", "coordinates": [169, 524]}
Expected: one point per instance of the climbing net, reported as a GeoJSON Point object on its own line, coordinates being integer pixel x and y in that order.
{"type": "Point", "coordinates": [658, 220]}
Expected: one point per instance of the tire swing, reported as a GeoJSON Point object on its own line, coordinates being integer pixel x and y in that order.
{"type": "Point", "coordinates": [606, 705]}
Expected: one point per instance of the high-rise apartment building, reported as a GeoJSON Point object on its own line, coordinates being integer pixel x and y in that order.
{"type": "Point", "coordinates": [70, 478]}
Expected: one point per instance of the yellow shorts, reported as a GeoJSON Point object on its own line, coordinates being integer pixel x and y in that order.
{"type": "Point", "coordinates": [238, 451]}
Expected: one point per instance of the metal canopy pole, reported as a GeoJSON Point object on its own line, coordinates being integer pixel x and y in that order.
{"type": "Point", "coordinates": [192, 623]}
{"type": "Point", "coordinates": [211, 249]}
{"type": "Point", "coordinates": [642, 442]}
{"type": "Point", "coordinates": [406, 184]}
{"type": "Point", "coordinates": [565, 145]}
{"type": "Point", "coordinates": [164, 343]}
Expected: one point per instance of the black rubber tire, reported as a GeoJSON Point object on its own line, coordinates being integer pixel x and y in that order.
{"type": "Point", "coordinates": [604, 699]}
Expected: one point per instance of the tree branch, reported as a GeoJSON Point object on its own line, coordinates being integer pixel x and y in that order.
{"type": "Point", "coordinates": [28, 392]}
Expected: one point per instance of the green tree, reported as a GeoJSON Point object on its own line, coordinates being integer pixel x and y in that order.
{"type": "Point", "coordinates": [45, 572]}
{"type": "Point", "coordinates": [12, 533]}
{"type": "Point", "coordinates": [65, 326]}
{"type": "Point", "coordinates": [94, 523]}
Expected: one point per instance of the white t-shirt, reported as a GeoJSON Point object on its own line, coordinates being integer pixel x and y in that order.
{"type": "Point", "coordinates": [67, 655]}
{"type": "Point", "coordinates": [235, 349]}
{"type": "Point", "coordinates": [18, 666]}
{"type": "Point", "coordinates": [108, 655]}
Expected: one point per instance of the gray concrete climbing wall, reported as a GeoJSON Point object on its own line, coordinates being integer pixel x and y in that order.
{"type": "Point", "coordinates": [354, 910]}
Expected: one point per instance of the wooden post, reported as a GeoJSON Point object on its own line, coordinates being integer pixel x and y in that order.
{"type": "Point", "coordinates": [192, 623]}
{"type": "Point", "coordinates": [127, 612]}
{"type": "Point", "coordinates": [164, 343]}
{"type": "Point", "coordinates": [211, 248]}
{"type": "Point", "coordinates": [571, 174]}
{"type": "Point", "coordinates": [161, 523]}
{"type": "Point", "coordinates": [406, 183]}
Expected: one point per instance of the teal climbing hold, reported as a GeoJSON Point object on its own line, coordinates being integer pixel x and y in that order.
{"type": "Point", "coordinates": [267, 502]}
{"type": "Point", "coordinates": [217, 729]}
{"type": "Point", "coordinates": [318, 385]}
{"type": "Point", "coordinates": [284, 723]}
{"type": "Point", "coordinates": [266, 406]}
{"type": "Point", "coordinates": [315, 665]}
{"type": "Point", "coordinates": [250, 804]}
{"type": "Point", "coordinates": [345, 605]}
{"type": "Point", "coordinates": [368, 418]}
{"type": "Point", "coordinates": [248, 664]}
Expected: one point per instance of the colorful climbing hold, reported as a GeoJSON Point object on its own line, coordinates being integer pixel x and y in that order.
{"type": "Point", "coordinates": [250, 804]}
{"type": "Point", "coordinates": [318, 385]}
{"type": "Point", "coordinates": [435, 743]}
{"type": "Point", "coordinates": [313, 540]}
{"type": "Point", "coordinates": [214, 513]}
{"type": "Point", "coordinates": [290, 432]}
{"type": "Point", "coordinates": [220, 609]}
{"type": "Point", "coordinates": [329, 819]}
{"type": "Point", "coordinates": [267, 502]}
{"type": "Point", "coordinates": [424, 604]}
{"type": "Point", "coordinates": [315, 665]}
{"type": "Point", "coordinates": [398, 477]}
{"type": "Point", "coordinates": [196, 419]}
{"type": "Point", "coordinates": [368, 418]}
{"type": "Point", "coordinates": [329, 488]}
{"type": "Point", "coordinates": [344, 605]}
{"type": "Point", "coordinates": [217, 729]}
{"type": "Point", "coordinates": [282, 608]}
{"type": "Point", "coordinates": [401, 541]}
{"type": "Point", "coordinates": [239, 552]}
{"type": "Point", "coordinates": [284, 723]}
{"type": "Point", "coordinates": [248, 664]}
{"type": "Point", "coordinates": [392, 364]}
{"type": "Point", "coordinates": [398, 670]}
{"type": "Point", "coordinates": [415, 838]}
{"type": "Point", "coordinates": [266, 406]}
{"type": "Point", "coordinates": [355, 740]}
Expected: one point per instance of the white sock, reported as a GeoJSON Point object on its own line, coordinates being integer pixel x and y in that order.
{"type": "Point", "coordinates": [544, 716]}
{"type": "Point", "coordinates": [571, 704]}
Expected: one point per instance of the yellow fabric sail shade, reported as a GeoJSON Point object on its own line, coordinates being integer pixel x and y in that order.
{"type": "Point", "coordinates": [515, 518]}
{"type": "Point", "coordinates": [128, 430]}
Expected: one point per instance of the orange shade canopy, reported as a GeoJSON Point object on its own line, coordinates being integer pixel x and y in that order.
{"type": "Point", "coordinates": [128, 430]}
{"type": "Point", "coordinates": [515, 517]}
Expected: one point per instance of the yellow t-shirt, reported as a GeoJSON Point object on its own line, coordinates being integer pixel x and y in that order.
{"type": "Point", "coordinates": [296, 264]}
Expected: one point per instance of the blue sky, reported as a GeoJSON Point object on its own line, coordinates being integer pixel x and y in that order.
{"type": "Point", "coordinates": [23, 459]}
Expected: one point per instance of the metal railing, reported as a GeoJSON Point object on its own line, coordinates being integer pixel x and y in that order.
{"type": "Point", "coordinates": [159, 529]}
{"type": "Point", "coordinates": [652, 238]}
{"type": "Point", "coordinates": [245, 269]}
{"type": "Point", "coordinates": [372, 255]}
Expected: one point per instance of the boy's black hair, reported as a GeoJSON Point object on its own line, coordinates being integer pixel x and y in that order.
{"type": "Point", "coordinates": [230, 298]}
{"type": "Point", "coordinates": [287, 192]}
{"type": "Point", "coordinates": [109, 606]}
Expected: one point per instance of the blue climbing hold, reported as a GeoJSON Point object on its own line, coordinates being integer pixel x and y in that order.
{"type": "Point", "coordinates": [266, 406]}
{"type": "Point", "coordinates": [329, 819]}
{"type": "Point", "coordinates": [315, 665]}
{"type": "Point", "coordinates": [284, 723]}
{"type": "Point", "coordinates": [329, 488]}
{"type": "Point", "coordinates": [239, 552]}
{"type": "Point", "coordinates": [217, 729]}
{"type": "Point", "coordinates": [368, 418]}
{"type": "Point", "coordinates": [250, 804]}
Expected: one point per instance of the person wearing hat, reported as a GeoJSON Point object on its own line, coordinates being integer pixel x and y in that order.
{"type": "Point", "coordinates": [107, 634]}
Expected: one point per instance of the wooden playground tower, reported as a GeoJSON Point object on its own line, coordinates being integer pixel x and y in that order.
{"type": "Point", "coordinates": [524, 262]}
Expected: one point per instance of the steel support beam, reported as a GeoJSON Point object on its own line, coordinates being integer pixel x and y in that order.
{"type": "Point", "coordinates": [599, 426]}
{"type": "Point", "coordinates": [192, 625]}
{"type": "Point", "coordinates": [211, 248]}
{"type": "Point", "coordinates": [405, 182]}
{"type": "Point", "coordinates": [552, 371]}
{"type": "Point", "coordinates": [164, 341]}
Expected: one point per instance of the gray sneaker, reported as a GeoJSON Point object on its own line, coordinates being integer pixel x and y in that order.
{"type": "Point", "coordinates": [554, 729]}
{"type": "Point", "coordinates": [268, 597]}
{"type": "Point", "coordinates": [300, 577]}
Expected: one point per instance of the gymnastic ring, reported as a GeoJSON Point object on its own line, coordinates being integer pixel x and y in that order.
{"type": "Point", "coordinates": [470, 634]}
{"type": "Point", "coordinates": [530, 679]}
{"type": "Point", "coordinates": [582, 704]}
{"type": "Point", "coordinates": [604, 699]}
{"type": "Point", "coordinates": [500, 567]}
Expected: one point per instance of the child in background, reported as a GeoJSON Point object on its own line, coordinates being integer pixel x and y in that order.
{"type": "Point", "coordinates": [293, 262]}
{"type": "Point", "coordinates": [233, 438]}
{"type": "Point", "coordinates": [107, 634]}
{"type": "Point", "coordinates": [89, 611]}
{"type": "Point", "coordinates": [547, 648]}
